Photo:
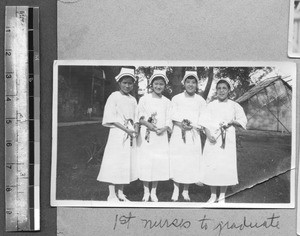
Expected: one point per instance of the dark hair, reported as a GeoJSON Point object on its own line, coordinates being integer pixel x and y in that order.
{"type": "Point", "coordinates": [126, 76]}
{"type": "Point", "coordinates": [191, 77]}
{"type": "Point", "coordinates": [157, 78]}
{"type": "Point", "coordinates": [224, 82]}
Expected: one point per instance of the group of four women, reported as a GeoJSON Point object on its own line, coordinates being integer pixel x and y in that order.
{"type": "Point", "coordinates": [139, 147]}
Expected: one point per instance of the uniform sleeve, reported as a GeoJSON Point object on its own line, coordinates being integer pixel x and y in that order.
{"type": "Point", "coordinates": [135, 112]}
{"type": "Point", "coordinates": [203, 104]}
{"type": "Point", "coordinates": [168, 115]}
{"type": "Point", "coordinates": [202, 109]}
{"type": "Point", "coordinates": [110, 112]}
{"type": "Point", "coordinates": [175, 113]}
{"type": "Point", "coordinates": [240, 116]}
{"type": "Point", "coordinates": [205, 116]}
{"type": "Point", "coordinates": [141, 109]}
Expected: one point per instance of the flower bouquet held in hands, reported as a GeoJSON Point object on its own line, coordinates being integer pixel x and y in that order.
{"type": "Point", "coordinates": [223, 127]}
{"type": "Point", "coordinates": [128, 124]}
{"type": "Point", "coordinates": [185, 123]}
{"type": "Point", "coordinates": [152, 120]}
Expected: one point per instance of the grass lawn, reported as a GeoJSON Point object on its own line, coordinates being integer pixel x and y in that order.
{"type": "Point", "coordinates": [261, 156]}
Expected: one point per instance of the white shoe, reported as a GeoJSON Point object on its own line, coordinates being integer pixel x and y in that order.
{"type": "Point", "coordinates": [112, 199]}
{"type": "Point", "coordinates": [153, 197]}
{"type": "Point", "coordinates": [186, 196]}
{"type": "Point", "coordinates": [175, 196]}
{"type": "Point", "coordinates": [146, 197]}
{"type": "Point", "coordinates": [221, 200]}
{"type": "Point", "coordinates": [212, 199]}
{"type": "Point", "coordinates": [123, 198]}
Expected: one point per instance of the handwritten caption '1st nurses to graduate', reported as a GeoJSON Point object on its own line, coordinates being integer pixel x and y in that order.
{"type": "Point", "coordinates": [204, 223]}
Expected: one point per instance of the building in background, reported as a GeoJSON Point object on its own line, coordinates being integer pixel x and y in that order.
{"type": "Point", "coordinates": [268, 105]}
{"type": "Point", "coordinates": [82, 93]}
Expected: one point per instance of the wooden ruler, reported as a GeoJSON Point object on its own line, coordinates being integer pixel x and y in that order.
{"type": "Point", "coordinates": [22, 119]}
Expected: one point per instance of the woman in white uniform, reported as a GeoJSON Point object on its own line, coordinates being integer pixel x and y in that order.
{"type": "Point", "coordinates": [153, 145]}
{"type": "Point", "coordinates": [185, 144]}
{"type": "Point", "coordinates": [219, 166]}
{"type": "Point", "coordinates": [119, 164]}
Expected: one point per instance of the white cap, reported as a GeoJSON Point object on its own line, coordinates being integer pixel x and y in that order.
{"type": "Point", "coordinates": [159, 73]}
{"type": "Point", "coordinates": [190, 73]}
{"type": "Point", "coordinates": [125, 72]}
{"type": "Point", "coordinates": [228, 81]}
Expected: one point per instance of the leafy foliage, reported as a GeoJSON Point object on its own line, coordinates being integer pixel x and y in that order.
{"type": "Point", "coordinates": [240, 77]}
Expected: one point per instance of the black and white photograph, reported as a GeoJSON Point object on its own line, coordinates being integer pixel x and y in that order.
{"type": "Point", "coordinates": [173, 134]}
{"type": "Point", "coordinates": [294, 29]}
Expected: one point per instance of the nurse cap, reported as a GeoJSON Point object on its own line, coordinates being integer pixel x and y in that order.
{"type": "Point", "coordinates": [125, 72]}
{"type": "Point", "coordinates": [188, 74]}
{"type": "Point", "coordinates": [159, 73]}
{"type": "Point", "coordinates": [227, 80]}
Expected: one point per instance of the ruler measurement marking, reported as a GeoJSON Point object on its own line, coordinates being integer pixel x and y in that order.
{"type": "Point", "coordinates": [15, 163]}
{"type": "Point", "coordinates": [20, 73]}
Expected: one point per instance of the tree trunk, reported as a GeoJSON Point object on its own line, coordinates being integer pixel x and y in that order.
{"type": "Point", "coordinates": [209, 82]}
{"type": "Point", "coordinates": [178, 73]}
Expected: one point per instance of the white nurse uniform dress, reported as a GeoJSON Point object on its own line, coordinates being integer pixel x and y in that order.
{"type": "Point", "coordinates": [119, 164]}
{"type": "Point", "coordinates": [185, 156]}
{"type": "Point", "coordinates": [153, 156]}
{"type": "Point", "coordinates": [219, 166]}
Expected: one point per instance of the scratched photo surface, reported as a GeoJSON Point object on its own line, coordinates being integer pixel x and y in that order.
{"type": "Point", "coordinates": [265, 155]}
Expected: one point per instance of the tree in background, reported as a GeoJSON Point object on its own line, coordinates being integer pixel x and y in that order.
{"type": "Point", "coordinates": [206, 73]}
{"type": "Point", "coordinates": [242, 77]}
{"type": "Point", "coordinates": [147, 71]}
{"type": "Point", "coordinates": [175, 75]}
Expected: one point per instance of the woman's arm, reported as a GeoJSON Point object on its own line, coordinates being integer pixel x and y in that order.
{"type": "Point", "coordinates": [130, 132]}
{"type": "Point", "coordinates": [234, 123]}
{"type": "Point", "coordinates": [162, 130]}
{"type": "Point", "coordinates": [240, 119]}
{"type": "Point", "coordinates": [177, 123]}
{"type": "Point", "coordinates": [211, 138]}
{"type": "Point", "coordinates": [182, 125]}
{"type": "Point", "coordinates": [150, 126]}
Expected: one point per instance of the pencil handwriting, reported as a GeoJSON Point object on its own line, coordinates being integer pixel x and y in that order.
{"type": "Point", "coordinates": [124, 221]}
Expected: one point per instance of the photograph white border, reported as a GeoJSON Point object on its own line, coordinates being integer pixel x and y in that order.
{"type": "Point", "coordinates": [89, 203]}
{"type": "Point", "coordinates": [291, 53]}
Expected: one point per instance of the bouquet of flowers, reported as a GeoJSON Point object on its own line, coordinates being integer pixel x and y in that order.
{"type": "Point", "coordinates": [128, 123]}
{"type": "Point", "coordinates": [152, 119]}
{"type": "Point", "coordinates": [186, 122]}
{"type": "Point", "coordinates": [223, 128]}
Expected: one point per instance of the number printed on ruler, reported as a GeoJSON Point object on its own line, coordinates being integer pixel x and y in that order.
{"type": "Point", "coordinates": [19, 37]}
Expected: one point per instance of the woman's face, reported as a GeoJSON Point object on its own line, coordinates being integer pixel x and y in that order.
{"type": "Point", "coordinates": [126, 84]}
{"type": "Point", "coordinates": [190, 85]}
{"type": "Point", "coordinates": [222, 91]}
{"type": "Point", "coordinates": [158, 86]}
